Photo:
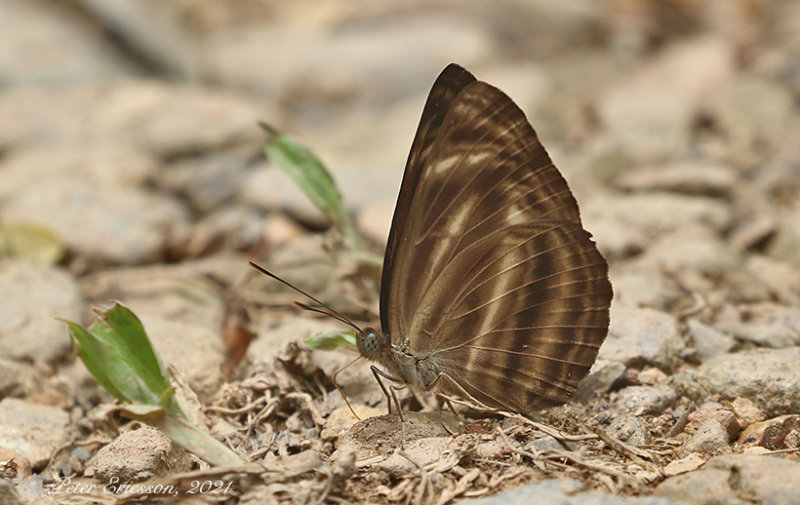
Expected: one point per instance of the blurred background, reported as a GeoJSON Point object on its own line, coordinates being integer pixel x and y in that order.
{"type": "Point", "coordinates": [129, 138]}
{"type": "Point", "coordinates": [147, 109]}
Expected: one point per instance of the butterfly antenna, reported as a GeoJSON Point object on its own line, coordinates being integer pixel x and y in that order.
{"type": "Point", "coordinates": [334, 315]}
{"type": "Point", "coordinates": [330, 311]}
{"type": "Point", "coordinates": [336, 384]}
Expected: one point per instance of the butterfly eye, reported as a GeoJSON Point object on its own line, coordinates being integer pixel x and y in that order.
{"type": "Point", "coordinates": [369, 342]}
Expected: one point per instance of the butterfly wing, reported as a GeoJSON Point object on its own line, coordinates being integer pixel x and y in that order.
{"type": "Point", "coordinates": [488, 271]}
{"type": "Point", "coordinates": [449, 83]}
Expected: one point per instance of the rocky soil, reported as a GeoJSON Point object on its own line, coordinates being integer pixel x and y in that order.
{"type": "Point", "coordinates": [131, 169]}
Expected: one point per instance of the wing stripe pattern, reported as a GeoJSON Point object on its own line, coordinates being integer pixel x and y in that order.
{"type": "Point", "coordinates": [489, 273]}
{"type": "Point", "coordinates": [461, 294]}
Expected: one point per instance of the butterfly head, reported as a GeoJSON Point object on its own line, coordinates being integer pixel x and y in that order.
{"type": "Point", "coordinates": [372, 342]}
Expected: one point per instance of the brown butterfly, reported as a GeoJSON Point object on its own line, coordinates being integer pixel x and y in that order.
{"type": "Point", "coordinates": [492, 291]}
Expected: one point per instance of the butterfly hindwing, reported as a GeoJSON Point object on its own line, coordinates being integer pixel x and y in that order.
{"type": "Point", "coordinates": [527, 316]}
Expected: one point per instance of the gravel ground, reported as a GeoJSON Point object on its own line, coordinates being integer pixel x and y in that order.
{"type": "Point", "coordinates": [131, 169]}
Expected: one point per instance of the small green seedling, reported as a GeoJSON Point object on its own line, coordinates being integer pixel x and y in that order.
{"type": "Point", "coordinates": [310, 174]}
{"type": "Point", "coordinates": [118, 353]}
{"type": "Point", "coordinates": [331, 340]}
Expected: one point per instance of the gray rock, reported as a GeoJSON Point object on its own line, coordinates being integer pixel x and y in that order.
{"type": "Point", "coordinates": [651, 215]}
{"type": "Point", "coordinates": [607, 160]}
{"type": "Point", "coordinates": [741, 285]}
{"type": "Point", "coordinates": [119, 225]}
{"type": "Point", "coordinates": [174, 304]}
{"type": "Point", "coordinates": [33, 430]}
{"type": "Point", "coordinates": [207, 183]}
{"type": "Point", "coordinates": [383, 434]}
{"type": "Point", "coordinates": [173, 112]}
{"type": "Point", "coordinates": [642, 336]}
{"type": "Point", "coordinates": [770, 480]}
{"type": "Point", "coordinates": [718, 412]}
{"type": "Point", "coordinates": [357, 59]}
{"type": "Point", "coordinates": [305, 263]}
{"type": "Point", "coordinates": [746, 412]}
{"type": "Point", "coordinates": [602, 376]}
{"type": "Point", "coordinates": [685, 384]}
{"type": "Point", "coordinates": [769, 377]}
{"type": "Point", "coordinates": [629, 429]}
{"type": "Point", "coordinates": [9, 495]}
{"type": "Point", "coordinates": [278, 229]}
{"type": "Point", "coordinates": [753, 109]}
{"type": "Point", "coordinates": [226, 268]}
{"type": "Point", "coordinates": [231, 228]}
{"type": "Point", "coordinates": [105, 164]}
{"type": "Point", "coordinates": [641, 400]}
{"type": "Point", "coordinates": [710, 438]}
{"type": "Point", "coordinates": [138, 455]}
{"type": "Point", "coordinates": [701, 487]}
{"type": "Point", "coordinates": [45, 115]}
{"type": "Point", "coordinates": [752, 232]}
{"type": "Point", "coordinates": [637, 286]}
{"type": "Point", "coordinates": [660, 212]}
{"type": "Point", "coordinates": [549, 491]}
{"type": "Point", "coordinates": [615, 239]}
{"type": "Point", "coordinates": [271, 189]}
{"type": "Point", "coordinates": [158, 117]}
{"type": "Point", "coordinates": [154, 32]}
{"type": "Point", "coordinates": [561, 491]}
{"type": "Point", "coordinates": [18, 379]}
{"type": "Point", "coordinates": [28, 328]}
{"type": "Point", "coordinates": [709, 342]}
{"type": "Point", "coordinates": [201, 362]}
{"type": "Point", "coordinates": [58, 45]}
{"type": "Point", "coordinates": [781, 278]}
{"type": "Point", "coordinates": [688, 177]}
{"type": "Point", "coordinates": [764, 324]}
{"type": "Point", "coordinates": [546, 443]}
{"type": "Point", "coordinates": [688, 73]}
{"type": "Point", "coordinates": [424, 451]}
{"type": "Point", "coordinates": [786, 244]}
{"type": "Point", "coordinates": [691, 251]}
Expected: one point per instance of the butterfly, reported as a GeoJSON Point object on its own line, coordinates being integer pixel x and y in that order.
{"type": "Point", "coordinates": [491, 289]}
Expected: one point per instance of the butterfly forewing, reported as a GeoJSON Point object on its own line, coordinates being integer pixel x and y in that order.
{"type": "Point", "coordinates": [488, 270]}
{"type": "Point", "coordinates": [524, 326]}
{"type": "Point", "coordinates": [449, 83]}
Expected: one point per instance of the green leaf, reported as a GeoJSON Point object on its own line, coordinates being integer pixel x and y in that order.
{"type": "Point", "coordinates": [95, 354]}
{"type": "Point", "coordinates": [331, 340]}
{"type": "Point", "coordinates": [117, 351]}
{"type": "Point", "coordinates": [310, 174]}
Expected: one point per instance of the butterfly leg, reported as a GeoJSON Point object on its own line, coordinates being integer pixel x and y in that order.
{"type": "Point", "coordinates": [450, 405]}
{"type": "Point", "coordinates": [460, 418]}
{"type": "Point", "coordinates": [344, 396]}
{"type": "Point", "coordinates": [393, 389]}
{"type": "Point", "coordinates": [433, 384]}
{"type": "Point", "coordinates": [378, 373]}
